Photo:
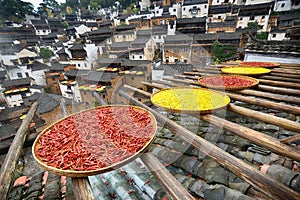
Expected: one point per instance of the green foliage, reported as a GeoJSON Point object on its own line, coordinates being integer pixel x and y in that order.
{"type": "Point", "coordinates": [221, 52]}
{"type": "Point", "coordinates": [65, 24]}
{"type": "Point", "coordinates": [15, 10]}
{"type": "Point", "coordinates": [132, 9]}
{"type": "Point", "coordinates": [254, 25]}
{"type": "Point", "coordinates": [262, 36]}
{"type": "Point", "coordinates": [46, 53]}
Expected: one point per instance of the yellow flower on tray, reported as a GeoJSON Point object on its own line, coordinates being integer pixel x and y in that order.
{"type": "Point", "coordinates": [190, 100]}
{"type": "Point", "coordinates": [245, 70]}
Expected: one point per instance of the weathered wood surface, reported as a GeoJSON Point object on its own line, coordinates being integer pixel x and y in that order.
{"type": "Point", "coordinates": [284, 75]}
{"type": "Point", "coordinates": [261, 181]}
{"type": "Point", "coordinates": [11, 159]}
{"type": "Point", "coordinates": [165, 178]}
{"type": "Point", "coordinates": [286, 71]}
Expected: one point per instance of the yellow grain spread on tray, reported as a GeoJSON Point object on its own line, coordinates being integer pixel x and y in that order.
{"type": "Point", "coordinates": [189, 99]}
{"type": "Point", "coordinates": [245, 70]}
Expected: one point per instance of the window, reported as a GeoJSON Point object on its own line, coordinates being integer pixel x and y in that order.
{"type": "Point", "coordinates": [185, 49]}
{"type": "Point", "coordinates": [183, 9]}
{"type": "Point", "coordinates": [85, 65]}
{"type": "Point", "coordinates": [274, 35]}
{"type": "Point", "coordinates": [218, 1]}
{"type": "Point", "coordinates": [252, 18]}
{"type": "Point", "coordinates": [78, 65]}
{"type": "Point", "coordinates": [262, 17]}
{"type": "Point", "coordinates": [241, 18]}
{"type": "Point", "coordinates": [205, 6]}
{"type": "Point", "coordinates": [53, 79]}
{"type": "Point", "coordinates": [132, 78]}
{"type": "Point", "coordinates": [174, 10]}
{"type": "Point", "coordinates": [133, 57]}
{"type": "Point", "coordinates": [141, 57]}
{"type": "Point", "coordinates": [219, 17]}
{"type": "Point", "coordinates": [103, 96]}
{"type": "Point", "coordinates": [19, 74]}
{"type": "Point", "coordinates": [282, 5]}
{"type": "Point", "coordinates": [27, 75]}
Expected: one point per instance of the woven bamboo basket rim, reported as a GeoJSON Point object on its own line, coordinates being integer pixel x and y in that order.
{"type": "Point", "coordinates": [254, 80]}
{"type": "Point", "coordinates": [266, 71]}
{"type": "Point", "coordinates": [192, 112]}
{"type": "Point", "coordinates": [75, 173]}
{"type": "Point", "coordinates": [265, 64]}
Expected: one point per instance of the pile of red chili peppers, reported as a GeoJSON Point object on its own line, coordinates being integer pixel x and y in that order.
{"type": "Point", "coordinates": [227, 81]}
{"type": "Point", "coordinates": [95, 138]}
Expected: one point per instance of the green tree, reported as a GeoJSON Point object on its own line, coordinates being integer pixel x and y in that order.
{"type": "Point", "coordinates": [254, 25]}
{"type": "Point", "coordinates": [221, 52]}
{"type": "Point", "coordinates": [65, 24]}
{"type": "Point", "coordinates": [15, 10]}
{"type": "Point", "coordinates": [46, 53]}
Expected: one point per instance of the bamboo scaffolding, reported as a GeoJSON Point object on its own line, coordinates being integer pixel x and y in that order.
{"type": "Point", "coordinates": [9, 165]}
{"type": "Point", "coordinates": [261, 181]}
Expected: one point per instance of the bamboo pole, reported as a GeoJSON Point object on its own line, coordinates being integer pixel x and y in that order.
{"type": "Point", "coordinates": [165, 178]}
{"type": "Point", "coordinates": [150, 85]}
{"type": "Point", "coordinates": [280, 83]}
{"type": "Point", "coordinates": [277, 78]}
{"type": "Point", "coordinates": [261, 181]}
{"type": "Point", "coordinates": [279, 90]}
{"type": "Point", "coordinates": [81, 186]}
{"type": "Point", "coordinates": [216, 71]}
{"type": "Point", "coordinates": [278, 121]}
{"type": "Point", "coordinates": [290, 139]}
{"type": "Point", "coordinates": [286, 71]}
{"type": "Point", "coordinates": [278, 97]}
{"type": "Point", "coordinates": [11, 159]}
{"type": "Point", "coordinates": [284, 75]}
{"type": "Point", "coordinates": [186, 77]}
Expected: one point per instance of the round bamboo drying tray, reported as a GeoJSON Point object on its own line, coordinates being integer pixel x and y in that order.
{"type": "Point", "coordinates": [190, 100]}
{"type": "Point", "coordinates": [259, 64]}
{"type": "Point", "coordinates": [250, 71]}
{"type": "Point", "coordinates": [85, 173]}
{"type": "Point", "coordinates": [220, 78]}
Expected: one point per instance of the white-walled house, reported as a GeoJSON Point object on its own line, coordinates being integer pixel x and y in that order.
{"type": "Point", "coordinates": [221, 2]}
{"type": "Point", "coordinates": [278, 35]}
{"type": "Point", "coordinates": [82, 29]}
{"type": "Point", "coordinates": [142, 48]}
{"type": "Point", "coordinates": [259, 13]}
{"type": "Point", "coordinates": [254, 2]}
{"type": "Point", "coordinates": [144, 4]}
{"type": "Point", "coordinates": [194, 8]}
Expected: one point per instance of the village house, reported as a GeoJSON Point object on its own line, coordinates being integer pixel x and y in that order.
{"type": "Point", "coordinates": [83, 55]}
{"type": "Point", "coordinates": [177, 48]}
{"type": "Point", "coordinates": [41, 27]}
{"type": "Point", "coordinates": [53, 75]}
{"type": "Point", "coordinates": [218, 13]}
{"type": "Point", "coordinates": [194, 8]}
{"type": "Point", "coordinates": [102, 35]}
{"type": "Point", "coordinates": [259, 13]}
{"type": "Point", "coordinates": [142, 48]}
{"type": "Point", "coordinates": [191, 25]}
{"type": "Point", "coordinates": [161, 20]}
{"type": "Point", "coordinates": [226, 26]}
{"type": "Point", "coordinates": [118, 50]}
{"type": "Point", "coordinates": [222, 2]}
{"type": "Point", "coordinates": [56, 25]}
{"type": "Point", "coordinates": [159, 34]}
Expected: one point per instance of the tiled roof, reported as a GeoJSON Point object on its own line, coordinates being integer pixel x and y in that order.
{"type": "Point", "coordinates": [96, 76]}
{"type": "Point", "coordinates": [191, 20]}
{"type": "Point", "coordinates": [76, 72]}
{"type": "Point", "coordinates": [36, 66]}
{"type": "Point", "coordinates": [193, 2]}
{"type": "Point", "coordinates": [16, 82]}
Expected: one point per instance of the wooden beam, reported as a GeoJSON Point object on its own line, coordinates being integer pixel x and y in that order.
{"type": "Point", "coordinates": [284, 75]}
{"type": "Point", "coordinates": [81, 186]}
{"type": "Point", "coordinates": [277, 78]}
{"type": "Point", "coordinates": [278, 97]}
{"type": "Point", "coordinates": [259, 180]}
{"type": "Point", "coordinates": [278, 121]}
{"type": "Point", "coordinates": [154, 86]}
{"type": "Point", "coordinates": [165, 178]}
{"type": "Point", "coordinates": [280, 83]}
{"type": "Point", "coordinates": [11, 159]}
{"type": "Point", "coordinates": [290, 139]}
{"type": "Point", "coordinates": [286, 71]}
{"type": "Point", "coordinates": [279, 90]}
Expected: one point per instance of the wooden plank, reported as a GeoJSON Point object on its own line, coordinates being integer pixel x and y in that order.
{"type": "Point", "coordinates": [150, 85]}
{"type": "Point", "coordinates": [11, 159]}
{"type": "Point", "coordinates": [165, 178]}
{"type": "Point", "coordinates": [259, 180]}
{"type": "Point", "coordinates": [280, 83]}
